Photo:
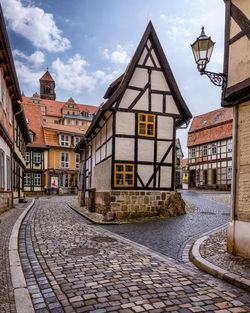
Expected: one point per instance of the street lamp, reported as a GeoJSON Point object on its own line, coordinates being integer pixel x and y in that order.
{"type": "Point", "coordinates": [202, 49]}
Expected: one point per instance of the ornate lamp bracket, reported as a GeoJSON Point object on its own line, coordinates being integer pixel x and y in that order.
{"type": "Point", "coordinates": [218, 79]}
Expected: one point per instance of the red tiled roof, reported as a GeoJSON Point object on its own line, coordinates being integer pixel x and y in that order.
{"type": "Point", "coordinates": [54, 108]}
{"type": "Point", "coordinates": [211, 134]}
{"type": "Point", "coordinates": [34, 116]}
{"type": "Point", "coordinates": [211, 119]}
{"type": "Point", "coordinates": [51, 138]}
{"type": "Point", "coordinates": [185, 162]}
{"type": "Point", "coordinates": [65, 128]}
{"type": "Point", "coordinates": [47, 76]}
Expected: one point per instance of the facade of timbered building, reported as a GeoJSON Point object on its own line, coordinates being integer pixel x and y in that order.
{"type": "Point", "coordinates": [13, 128]}
{"type": "Point", "coordinates": [237, 95]}
{"type": "Point", "coordinates": [129, 149]}
{"type": "Point", "coordinates": [178, 164]}
{"type": "Point", "coordinates": [210, 150]}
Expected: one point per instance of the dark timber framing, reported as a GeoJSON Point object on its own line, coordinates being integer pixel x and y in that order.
{"type": "Point", "coordinates": [115, 93]}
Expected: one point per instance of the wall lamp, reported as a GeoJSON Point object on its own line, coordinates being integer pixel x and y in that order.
{"type": "Point", "coordinates": [202, 49]}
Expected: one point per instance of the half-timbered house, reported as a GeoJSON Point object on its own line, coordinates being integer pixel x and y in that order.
{"type": "Point", "coordinates": [237, 95]}
{"type": "Point", "coordinates": [210, 150]}
{"type": "Point", "coordinates": [129, 148]}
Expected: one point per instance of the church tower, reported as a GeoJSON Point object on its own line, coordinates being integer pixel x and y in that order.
{"type": "Point", "coordinates": [47, 87]}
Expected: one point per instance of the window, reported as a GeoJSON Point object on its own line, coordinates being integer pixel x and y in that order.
{"type": "Point", "coordinates": [124, 175]}
{"type": "Point", "coordinates": [68, 122]}
{"type": "Point", "coordinates": [56, 122]}
{"type": "Point", "coordinates": [204, 150]}
{"type": "Point", "coordinates": [229, 173]}
{"type": "Point", "coordinates": [77, 160]}
{"type": "Point", "coordinates": [82, 123]}
{"type": "Point", "coordinates": [197, 176]}
{"type": "Point", "coordinates": [214, 148]}
{"type": "Point", "coordinates": [37, 157]}
{"type": "Point", "coordinates": [26, 179]}
{"type": "Point", "coordinates": [76, 122]}
{"type": "Point", "coordinates": [27, 157]}
{"type": "Point", "coordinates": [146, 125]}
{"type": "Point", "coordinates": [31, 136]}
{"type": "Point", "coordinates": [229, 145]}
{"type": "Point", "coordinates": [37, 180]}
{"type": "Point", "coordinates": [61, 180]}
{"type": "Point", "coordinates": [8, 172]}
{"type": "Point", "coordinates": [66, 180]}
{"type": "Point", "coordinates": [4, 96]}
{"type": "Point", "coordinates": [1, 99]}
{"type": "Point", "coordinates": [65, 140]}
{"type": "Point", "coordinates": [214, 176]}
{"type": "Point", "coordinates": [193, 153]}
{"type": "Point", "coordinates": [77, 139]}
{"type": "Point", "coordinates": [64, 159]}
{"type": "Point", "coordinates": [2, 171]}
{"type": "Point", "coordinates": [44, 119]}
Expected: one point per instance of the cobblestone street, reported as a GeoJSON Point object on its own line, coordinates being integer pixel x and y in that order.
{"type": "Point", "coordinates": [170, 236]}
{"type": "Point", "coordinates": [71, 266]}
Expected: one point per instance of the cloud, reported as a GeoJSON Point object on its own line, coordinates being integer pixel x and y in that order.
{"type": "Point", "coordinates": [26, 75]}
{"type": "Point", "coordinates": [35, 25]}
{"type": "Point", "coordinates": [119, 56]}
{"type": "Point", "coordinates": [36, 58]}
{"type": "Point", "coordinates": [106, 78]}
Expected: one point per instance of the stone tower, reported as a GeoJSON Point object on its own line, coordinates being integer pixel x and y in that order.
{"type": "Point", "coordinates": [47, 87]}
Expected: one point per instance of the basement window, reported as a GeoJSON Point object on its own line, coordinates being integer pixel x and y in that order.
{"type": "Point", "coordinates": [124, 175]}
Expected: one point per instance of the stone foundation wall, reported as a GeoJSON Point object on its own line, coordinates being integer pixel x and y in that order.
{"type": "Point", "coordinates": [130, 204]}
{"type": "Point", "coordinates": [5, 201]}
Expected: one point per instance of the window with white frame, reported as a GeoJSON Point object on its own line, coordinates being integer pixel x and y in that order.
{"type": "Point", "coordinates": [66, 180]}
{"type": "Point", "coordinates": [214, 148]}
{"type": "Point", "coordinates": [37, 157]}
{"type": "Point", "coordinates": [204, 150]}
{"type": "Point", "coordinates": [77, 139]}
{"type": "Point", "coordinates": [65, 159]}
{"type": "Point", "coordinates": [77, 160]}
{"type": "Point", "coordinates": [26, 179]}
{"type": "Point", "coordinates": [229, 145]}
{"type": "Point", "coordinates": [27, 156]}
{"type": "Point", "coordinates": [4, 96]}
{"type": "Point", "coordinates": [8, 172]}
{"type": "Point", "coordinates": [2, 169]}
{"type": "Point", "coordinates": [229, 172]}
{"type": "Point", "coordinates": [193, 153]}
{"type": "Point", "coordinates": [65, 140]}
{"type": "Point", "coordinates": [37, 180]}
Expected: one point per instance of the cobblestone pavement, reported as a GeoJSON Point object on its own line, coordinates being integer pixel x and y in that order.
{"type": "Point", "coordinates": [8, 219]}
{"type": "Point", "coordinates": [72, 266]}
{"type": "Point", "coordinates": [170, 236]}
{"type": "Point", "coordinates": [214, 250]}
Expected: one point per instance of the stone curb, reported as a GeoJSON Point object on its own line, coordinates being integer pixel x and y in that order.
{"type": "Point", "coordinates": [92, 220]}
{"type": "Point", "coordinates": [22, 297]}
{"type": "Point", "coordinates": [215, 270]}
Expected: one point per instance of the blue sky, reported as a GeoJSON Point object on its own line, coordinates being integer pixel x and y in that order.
{"type": "Point", "coordinates": [87, 44]}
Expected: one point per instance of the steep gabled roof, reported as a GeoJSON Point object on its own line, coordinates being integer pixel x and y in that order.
{"type": "Point", "coordinates": [47, 76]}
{"type": "Point", "coordinates": [34, 116]}
{"type": "Point", "coordinates": [148, 34]}
{"type": "Point", "coordinates": [212, 126]}
{"type": "Point", "coordinates": [211, 119]}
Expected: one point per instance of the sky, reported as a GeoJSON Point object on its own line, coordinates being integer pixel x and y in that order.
{"type": "Point", "coordinates": [87, 44]}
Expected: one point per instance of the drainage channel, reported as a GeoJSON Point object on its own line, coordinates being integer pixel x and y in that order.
{"type": "Point", "coordinates": [42, 294]}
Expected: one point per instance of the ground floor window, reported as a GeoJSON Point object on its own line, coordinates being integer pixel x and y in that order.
{"type": "Point", "coordinates": [229, 172]}
{"type": "Point", "coordinates": [214, 176]}
{"type": "Point", "coordinates": [37, 180]}
{"type": "Point", "coordinates": [26, 179]}
{"type": "Point", "coordinates": [2, 169]}
{"type": "Point", "coordinates": [124, 175]}
{"type": "Point", "coordinates": [205, 176]}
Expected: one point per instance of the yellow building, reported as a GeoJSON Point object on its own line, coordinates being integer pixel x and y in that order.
{"type": "Point", "coordinates": [62, 161]}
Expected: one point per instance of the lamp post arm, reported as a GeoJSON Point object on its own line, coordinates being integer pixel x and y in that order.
{"type": "Point", "coordinates": [218, 79]}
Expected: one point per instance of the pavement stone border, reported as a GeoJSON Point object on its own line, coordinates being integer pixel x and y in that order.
{"type": "Point", "coordinates": [215, 270]}
{"type": "Point", "coordinates": [22, 297]}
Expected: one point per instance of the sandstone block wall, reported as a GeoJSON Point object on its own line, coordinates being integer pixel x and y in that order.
{"type": "Point", "coordinates": [130, 204]}
{"type": "Point", "coordinates": [5, 201]}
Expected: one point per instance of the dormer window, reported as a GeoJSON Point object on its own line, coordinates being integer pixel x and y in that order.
{"type": "Point", "coordinates": [65, 140]}
{"type": "Point", "coordinates": [77, 139]}
{"type": "Point", "coordinates": [31, 136]}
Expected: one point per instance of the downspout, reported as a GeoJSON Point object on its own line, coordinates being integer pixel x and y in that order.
{"type": "Point", "coordinates": [233, 208]}
{"type": "Point", "coordinates": [12, 153]}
